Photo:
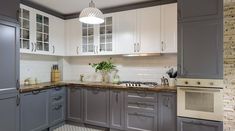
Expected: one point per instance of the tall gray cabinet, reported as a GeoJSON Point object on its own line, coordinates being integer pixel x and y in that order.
{"type": "Point", "coordinates": [9, 63]}
{"type": "Point", "coordinates": [200, 39]}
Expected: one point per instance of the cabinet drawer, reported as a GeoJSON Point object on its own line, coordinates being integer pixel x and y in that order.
{"type": "Point", "coordinates": [57, 113]}
{"type": "Point", "coordinates": [140, 121]}
{"type": "Point", "coordinates": [57, 97]}
{"type": "Point", "coordinates": [145, 106]}
{"type": "Point", "coordinates": [57, 90]}
{"type": "Point", "coordinates": [141, 96]}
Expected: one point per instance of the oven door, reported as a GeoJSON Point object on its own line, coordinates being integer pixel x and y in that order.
{"type": "Point", "coordinates": [201, 103]}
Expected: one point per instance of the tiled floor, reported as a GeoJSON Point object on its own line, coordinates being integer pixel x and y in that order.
{"type": "Point", "coordinates": [74, 128]}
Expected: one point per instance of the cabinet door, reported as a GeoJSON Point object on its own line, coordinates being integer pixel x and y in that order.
{"type": "Point", "coordinates": [149, 30]}
{"type": "Point", "coordinates": [10, 9]}
{"type": "Point", "coordinates": [167, 112]}
{"type": "Point", "coordinates": [57, 35]}
{"type": "Point", "coordinates": [57, 113]}
{"type": "Point", "coordinates": [201, 49]}
{"type": "Point", "coordinates": [34, 110]}
{"type": "Point", "coordinates": [96, 102]}
{"type": "Point", "coordinates": [73, 37]}
{"type": "Point", "coordinates": [140, 121]}
{"type": "Point", "coordinates": [125, 32]}
{"type": "Point", "coordinates": [199, 9]}
{"type": "Point", "coordinates": [169, 28]}
{"type": "Point", "coordinates": [9, 112]}
{"type": "Point", "coordinates": [186, 124]}
{"type": "Point", "coordinates": [75, 104]}
{"type": "Point", "coordinates": [117, 109]}
{"type": "Point", "coordinates": [106, 36]}
{"type": "Point", "coordinates": [9, 55]}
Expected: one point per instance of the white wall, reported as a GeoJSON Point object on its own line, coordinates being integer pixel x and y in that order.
{"type": "Point", "coordinates": [36, 66]}
{"type": "Point", "coordinates": [130, 68]}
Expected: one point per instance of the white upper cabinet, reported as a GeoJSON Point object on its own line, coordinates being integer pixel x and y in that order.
{"type": "Point", "coordinates": [125, 31]}
{"type": "Point", "coordinates": [57, 36]}
{"type": "Point", "coordinates": [73, 37]}
{"type": "Point", "coordinates": [148, 30]}
{"type": "Point", "coordinates": [169, 28]}
{"type": "Point", "coordinates": [41, 33]}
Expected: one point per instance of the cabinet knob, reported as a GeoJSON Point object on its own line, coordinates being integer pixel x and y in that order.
{"type": "Point", "coordinates": [199, 83]}
{"type": "Point", "coordinates": [186, 82]}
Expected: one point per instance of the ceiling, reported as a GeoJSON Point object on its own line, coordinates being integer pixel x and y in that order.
{"type": "Point", "coordinates": [74, 6]}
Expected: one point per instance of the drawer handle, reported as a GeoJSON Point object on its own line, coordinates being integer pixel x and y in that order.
{"type": "Point", "coordinates": [36, 92]}
{"type": "Point", "coordinates": [58, 98]}
{"type": "Point", "coordinates": [58, 88]}
{"type": "Point", "coordinates": [58, 107]}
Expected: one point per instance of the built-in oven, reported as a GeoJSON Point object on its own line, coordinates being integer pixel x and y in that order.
{"type": "Point", "coordinates": [200, 98]}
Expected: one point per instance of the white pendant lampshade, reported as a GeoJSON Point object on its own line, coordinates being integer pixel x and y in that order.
{"type": "Point", "coordinates": [91, 15]}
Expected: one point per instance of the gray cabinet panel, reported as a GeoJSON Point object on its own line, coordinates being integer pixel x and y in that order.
{"type": "Point", "coordinates": [117, 109]}
{"type": "Point", "coordinates": [96, 105]}
{"type": "Point", "coordinates": [167, 112]}
{"type": "Point", "coordinates": [10, 8]}
{"type": "Point", "coordinates": [186, 124]}
{"type": "Point", "coordinates": [34, 110]}
{"type": "Point", "coordinates": [200, 49]}
{"type": "Point", "coordinates": [9, 112]}
{"type": "Point", "coordinates": [140, 121]}
{"type": "Point", "coordinates": [57, 105]}
{"type": "Point", "coordinates": [199, 9]}
{"type": "Point", "coordinates": [9, 49]}
{"type": "Point", "coordinates": [75, 104]}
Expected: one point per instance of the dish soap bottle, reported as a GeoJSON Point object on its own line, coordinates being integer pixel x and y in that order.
{"type": "Point", "coordinates": [116, 77]}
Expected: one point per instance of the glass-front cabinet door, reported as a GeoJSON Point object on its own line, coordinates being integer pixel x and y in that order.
{"type": "Point", "coordinates": [42, 33]}
{"type": "Point", "coordinates": [88, 39]}
{"type": "Point", "coordinates": [24, 30]}
{"type": "Point", "coordinates": [106, 36]}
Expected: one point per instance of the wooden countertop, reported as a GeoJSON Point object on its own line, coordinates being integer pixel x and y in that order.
{"type": "Point", "coordinates": [72, 84]}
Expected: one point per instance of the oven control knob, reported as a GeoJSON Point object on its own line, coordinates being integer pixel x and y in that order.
{"type": "Point", "coordinates": [211, 83]}
{"type": "Point", "coordinates": [199, 83]}
{"type": "Point", "coordinates": [186, 82]}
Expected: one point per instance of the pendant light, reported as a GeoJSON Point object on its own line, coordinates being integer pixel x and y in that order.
{"type": "Point", "coordinates": [91, 15]}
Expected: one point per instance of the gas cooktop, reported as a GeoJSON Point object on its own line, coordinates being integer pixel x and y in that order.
{"type": "Point", "coordinates": [138, 84]}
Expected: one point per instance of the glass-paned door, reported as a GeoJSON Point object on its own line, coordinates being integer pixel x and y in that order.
{"type": "Point", "coordinates": [24, 29]}
{"type": "Point", "coordinates": [42, 33]}
{"type": "Point", "coordinates": [87, 38]}
{"type": "Point", "coordinates": [106, 35]}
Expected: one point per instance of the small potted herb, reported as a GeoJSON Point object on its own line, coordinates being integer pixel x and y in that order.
{"type": "Point", "coordinates": [104, 67]}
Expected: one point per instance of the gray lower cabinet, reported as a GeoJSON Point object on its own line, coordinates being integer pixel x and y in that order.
{"type": "Point", "coordinates": [57, 105]}
{"type": "Point", "coordinates": [167, 112]}
{"type": "Point", "coordinates": [117, 115]}
{"type": "Point", "coordinates": [141, 111]}
{"type": "Point", "coordinates": [9, 112]}
{"type": "Point", "coordinates": [75, 104]}
{"type": "Point", "coordinates": [96, 107]}
{"type": "Point", "coordinates": [34, 111]}
{"type": "Point", "coordinates": [200, 49]}
{"type": "Point", "coordinates": [186, 124]}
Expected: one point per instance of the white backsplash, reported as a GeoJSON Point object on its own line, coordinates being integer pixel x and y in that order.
{"type": "Point", "coordinates": [130, 68]}
{"type": "Point", "coordinates": [36, 66]}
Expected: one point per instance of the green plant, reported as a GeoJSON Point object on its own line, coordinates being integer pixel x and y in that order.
{"type": "Point", "coordinates": [103, 66]}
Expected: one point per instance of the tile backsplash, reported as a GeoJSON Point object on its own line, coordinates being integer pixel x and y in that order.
{"type": "Point", "coordinates": [36, 66]}
{"type": "Point", "coordinates": [130, 68]}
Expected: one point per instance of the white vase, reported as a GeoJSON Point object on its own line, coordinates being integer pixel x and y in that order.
{"type": "Point", "coordinates": [172, 82]}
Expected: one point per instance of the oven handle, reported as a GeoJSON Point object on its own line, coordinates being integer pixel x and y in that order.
{"type": "Point", "coordinates": [200, 89]}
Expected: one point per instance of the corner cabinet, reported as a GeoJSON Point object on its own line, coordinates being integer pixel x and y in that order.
{"type": "Point", "coordinates": [34, 110]}
{"type": "Point", "coordinates": [41, 33]}
{"type": "Point", "coordinates": [187, 124]}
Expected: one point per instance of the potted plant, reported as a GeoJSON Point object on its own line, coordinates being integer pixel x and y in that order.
{"type": "Point", "coordinates": [104, 67]}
